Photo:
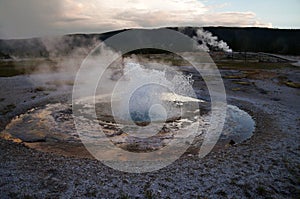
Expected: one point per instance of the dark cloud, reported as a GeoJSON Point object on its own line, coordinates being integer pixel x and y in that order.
{"type": "Point", "coordinates": [29, 18]}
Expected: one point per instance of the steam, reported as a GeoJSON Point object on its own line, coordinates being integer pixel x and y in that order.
{"type": "Point", "coordinates": [65, 55]}
{"type": "Point", "coordinates": [208, 40]}
{"type": "Point", "coordinates": [58, 46]}
{"type": "Point", "coordinates": [68, 52]}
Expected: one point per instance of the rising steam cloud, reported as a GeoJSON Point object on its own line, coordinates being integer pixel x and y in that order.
{"type": "Point", "coordinates": [208, 40]}
{"type": "Point", "coordinates": [68, 63]}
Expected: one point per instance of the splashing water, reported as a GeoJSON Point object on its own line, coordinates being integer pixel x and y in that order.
{"type": "Point", "coordinates": [142, 90]}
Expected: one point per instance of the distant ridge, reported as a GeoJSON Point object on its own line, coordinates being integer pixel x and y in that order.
{"type": "Point", "coordinates": [277, 41]}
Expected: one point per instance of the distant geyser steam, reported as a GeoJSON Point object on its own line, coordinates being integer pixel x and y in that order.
{"type": "Point", "coordinates": [208, 40]}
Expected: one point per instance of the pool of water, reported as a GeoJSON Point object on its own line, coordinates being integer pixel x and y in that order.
{"type": "Point", "coordinates": [54, 123]}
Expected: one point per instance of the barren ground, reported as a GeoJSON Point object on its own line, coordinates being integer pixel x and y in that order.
{"type": "Point", "coordinates": [265, 166]}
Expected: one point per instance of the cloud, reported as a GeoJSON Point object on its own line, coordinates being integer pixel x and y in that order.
{"type": "Point", "coordinates": [242, 19]}
{"type": "Point", "coordinates": [26, 18]}
{"type": "Point", "coordinates": [38, 18]}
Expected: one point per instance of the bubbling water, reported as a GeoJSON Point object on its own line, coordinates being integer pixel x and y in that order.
{"type": "Point", "coordinates": [145, 105]}
{"type": "Point", "coordinates": [142, 92]}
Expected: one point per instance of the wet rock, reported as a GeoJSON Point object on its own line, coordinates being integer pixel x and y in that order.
{"type": "Point", "coordinates": [232, 142]}
{"type": "Point", "coordinates": [32, 136]}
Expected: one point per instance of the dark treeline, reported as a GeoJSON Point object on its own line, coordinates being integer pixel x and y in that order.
{"type": "Point", "coordinates": [279, 41]}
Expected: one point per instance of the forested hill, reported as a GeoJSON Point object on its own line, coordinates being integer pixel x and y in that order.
{"type": "Point", "coordinates": [277, 41]}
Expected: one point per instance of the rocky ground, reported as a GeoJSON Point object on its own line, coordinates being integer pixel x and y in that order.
{"type": "Point", "coordinates": [265, 166]}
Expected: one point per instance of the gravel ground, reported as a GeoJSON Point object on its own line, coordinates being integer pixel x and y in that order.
{"type": "Point", "coordinates": [265, 166]}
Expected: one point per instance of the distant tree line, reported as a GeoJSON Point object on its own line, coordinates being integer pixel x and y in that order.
{"type": "Point", "coordinates": [277, 41]}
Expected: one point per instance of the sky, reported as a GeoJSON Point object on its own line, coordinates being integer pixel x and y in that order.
{"type": "Point", "coordinates": [35, 18]}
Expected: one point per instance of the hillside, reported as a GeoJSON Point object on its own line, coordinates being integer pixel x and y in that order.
{"type": "Point", "coordinates": [278, 41]}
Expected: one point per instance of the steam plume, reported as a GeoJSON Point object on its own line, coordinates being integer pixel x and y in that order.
{"type": "Point", "coordinates": [208, 40]}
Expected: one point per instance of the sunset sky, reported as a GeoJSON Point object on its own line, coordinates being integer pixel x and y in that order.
{"type": "Point", "coordinates": [31, 18]}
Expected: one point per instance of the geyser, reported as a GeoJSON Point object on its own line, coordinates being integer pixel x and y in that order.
{"type": "Point", "coordinates": [146, 110]}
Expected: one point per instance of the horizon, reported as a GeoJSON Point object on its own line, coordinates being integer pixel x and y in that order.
{"type": "Point", "coordinates": [124, 29]}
